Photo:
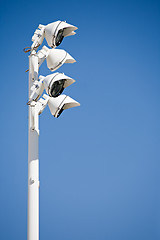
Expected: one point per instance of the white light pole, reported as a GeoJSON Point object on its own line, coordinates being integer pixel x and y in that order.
{"type": "Point", "coordinates": [33, 159]}
{"type": "Point", "coordinates": [54, 84]}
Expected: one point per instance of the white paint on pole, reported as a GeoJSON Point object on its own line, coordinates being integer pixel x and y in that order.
{"type": "Point", "coordinates": [33, 158]}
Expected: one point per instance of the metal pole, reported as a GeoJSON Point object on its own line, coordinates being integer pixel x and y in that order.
{"type": "Point", "coordinates": [33, 158]}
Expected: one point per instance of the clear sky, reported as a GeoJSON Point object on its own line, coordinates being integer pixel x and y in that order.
{"type": "Point", "coordinates": [100, 162]}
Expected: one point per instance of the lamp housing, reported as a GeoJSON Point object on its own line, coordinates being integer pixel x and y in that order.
{"type": "Point", "coordinates": [55, 83]}
{"type": "Point", "coordinates": [59, 104]}
{"type": "Point", "coordinates": [56, 31]}
{"type": "Point", "coordinates": [55, 58]}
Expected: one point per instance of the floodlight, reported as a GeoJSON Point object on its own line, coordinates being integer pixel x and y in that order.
{"type": "Point", "coordinates": [55, 57]}
{"type": "Point", "coordinates": [56, 31]}
{"type": "Point", "coordinates": [55, 83]}
{"type": "Point", "coordinates": [59, 104]}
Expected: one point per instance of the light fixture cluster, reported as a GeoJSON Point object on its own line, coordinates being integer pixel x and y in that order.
{"type": "Point", "coordinates": [55, 83]}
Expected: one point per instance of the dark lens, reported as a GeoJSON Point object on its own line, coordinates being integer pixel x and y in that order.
{"type": "Point", "coordinates": [59, 37]}
{"type": "Point", "coordinates": [57, 88]}
{"type": "Point", "coordinates": [60, 112]}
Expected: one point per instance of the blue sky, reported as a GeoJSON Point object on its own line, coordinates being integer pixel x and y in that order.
{"type": "Point", "coordinates": [99, 163]}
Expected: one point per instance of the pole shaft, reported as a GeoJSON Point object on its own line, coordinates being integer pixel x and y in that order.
{"type": "Point", "coordinates": [33, 159]}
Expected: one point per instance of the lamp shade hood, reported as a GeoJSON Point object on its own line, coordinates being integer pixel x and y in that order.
{"type": "Point", "coordinates": [53, 29]}
{"type": "Point", "coordinates": [57, 57]}
{"type": "Point", "coordinates": [62, 102]}
{"type": "Point", "coordinates": [60, 78]}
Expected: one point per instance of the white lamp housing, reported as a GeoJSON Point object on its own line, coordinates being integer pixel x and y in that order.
{"type": "Point", "coordinates": [60, 103]}
{"type": "Point", "coordinates": [55, 83]}
{"type": "Point", "coordinates": [56, 31]}
{"type": "Point", "coordinates": [55, 58]}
